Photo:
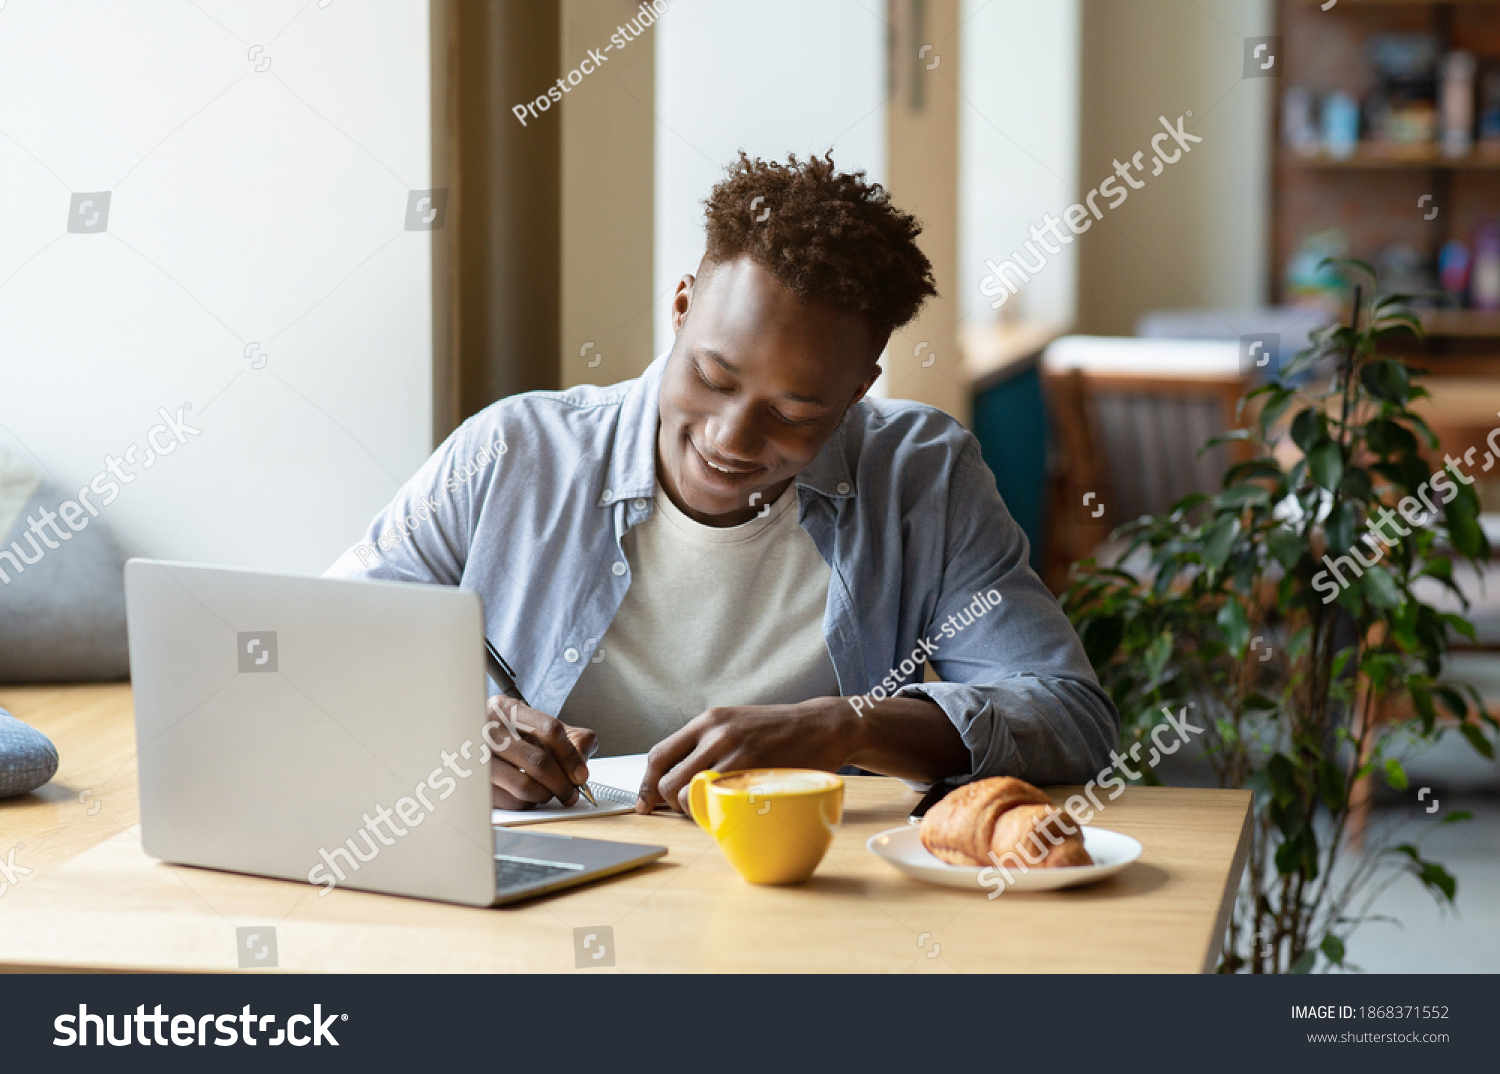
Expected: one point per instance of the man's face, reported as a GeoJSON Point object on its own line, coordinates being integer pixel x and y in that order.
{"type": "Point", "coordinates": [756, 383]}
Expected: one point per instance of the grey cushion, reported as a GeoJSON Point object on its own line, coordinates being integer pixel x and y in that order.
{"type": "Point", "coordinates": [62, 609]}
{"type": "Point", "coordinates": [27, 757]}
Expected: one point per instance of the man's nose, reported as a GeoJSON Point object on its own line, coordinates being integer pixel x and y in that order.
{"type": "Point", "coordinates": [734, 435]}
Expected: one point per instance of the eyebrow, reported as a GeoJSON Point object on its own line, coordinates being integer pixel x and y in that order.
{"type": "Point", "coordinates": [729, 367]}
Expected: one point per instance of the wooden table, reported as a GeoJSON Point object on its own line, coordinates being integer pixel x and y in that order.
{"type": "Point", "coordinates": [96, 901]}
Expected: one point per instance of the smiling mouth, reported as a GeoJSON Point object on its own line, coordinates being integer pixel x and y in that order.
{"type": "Point", "coordinates": [726, 471]}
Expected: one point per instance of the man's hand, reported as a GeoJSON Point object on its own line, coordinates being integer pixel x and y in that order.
{"type": "Point", "coordinates": [822, 733]}
{"type": "Point", "coordinates": [535, 757]}
{"type": "Point", "coordinates": [909, 737]}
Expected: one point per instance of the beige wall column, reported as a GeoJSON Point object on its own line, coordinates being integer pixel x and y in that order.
{"type": "Point", "coordinates": [922, 360]}
{"type": "Point", "coordinates": [500, 280]}
{"type": "Point", "coordinates": [608, 150]}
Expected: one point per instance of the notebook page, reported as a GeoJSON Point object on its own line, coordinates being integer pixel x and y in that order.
{"type": "Point", "coordinates": [614, 781]}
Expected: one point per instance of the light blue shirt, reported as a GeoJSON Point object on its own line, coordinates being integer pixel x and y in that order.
{"type": "Point", "coordinates": [527, 502]}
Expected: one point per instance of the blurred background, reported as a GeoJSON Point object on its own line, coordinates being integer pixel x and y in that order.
{"type": "Point", "coordinates": [320, 233]}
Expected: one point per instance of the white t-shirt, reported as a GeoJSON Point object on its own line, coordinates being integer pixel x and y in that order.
{"type": "Point", "coordinates": [714, 616]}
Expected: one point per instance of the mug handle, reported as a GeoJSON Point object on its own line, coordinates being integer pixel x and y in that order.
{"type": "Point", "coordinates": [698, 797]}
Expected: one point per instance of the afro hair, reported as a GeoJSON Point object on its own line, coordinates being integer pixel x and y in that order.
{"type": "Point", "coordinates": [826, 236]}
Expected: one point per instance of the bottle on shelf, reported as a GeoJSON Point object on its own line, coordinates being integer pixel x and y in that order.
{"type": "Point", "coordinates": [1484, 277]}
{"type": "Point", "coordinates": [1458, 104]}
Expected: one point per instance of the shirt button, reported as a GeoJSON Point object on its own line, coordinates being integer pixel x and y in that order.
{"type": "Point", "coordinates": [843, 488]}
{"type": "Point", "coordinates": [617, 568]}
{"type": "Point", "coordinates": [570, 655]}
{"type": "Point", "coordinates": [609, 494]}
{"type": "Point", "coordinates": [639, 505]}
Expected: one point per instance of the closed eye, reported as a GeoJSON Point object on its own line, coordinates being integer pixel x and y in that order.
{"type": "Point", "coordinates": [710, 385]}
{"type": "Point", "coordinates": [788, 421]}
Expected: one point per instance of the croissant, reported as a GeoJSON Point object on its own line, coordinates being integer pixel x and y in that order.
{"type": "Point", "coordinates": [1002, 816]}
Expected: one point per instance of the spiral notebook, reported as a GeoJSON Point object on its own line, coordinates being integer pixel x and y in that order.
{"type": "Point", "coordinates": [613, 781]}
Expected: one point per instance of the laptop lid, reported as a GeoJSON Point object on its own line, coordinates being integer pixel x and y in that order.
{"type": "Point", "coordinates": [314, 729]}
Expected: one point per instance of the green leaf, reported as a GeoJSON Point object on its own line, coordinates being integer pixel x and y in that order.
{"type": "Point", "coordinates": [1356, 484]}
{"type": "Point", "coordinates": [1243, 494]}
{"type": "Point", "coordinates": [1157, 654]}
{"type": "Point", "coordinates": [1381, 588]}
{"type": "Point", "coordinates": [1331, 785]}
{"type": "Point", "coordinates": [1455, 815]}
{"type": "Point", "coordinates": [1235, 625]}
{"type": "Point", "coordinates": [1421, 700]}
{"type": "Point", "coordinates": [1258, 702]}
{"type": "Point", "coordinates": [1286, 545]}
{"type": "Point", "coordinates": [1434, 876]}
{"type": "Point", "coordinates": [1283, 776]}
{"type": "Point", "coordinates": [1464, 530]}
{"type": "Point", "coordinates": [1453, 701]}
{"type": "Point", "coordinates": [1308, 427]}
{"type": "Point", "coordinates": [1230, 437]}
{"type": "Point", "coordinates": [1305, 963]}
{"type": "Point", "coordinates": [1387, 437]}
{"type": "Point", "coordinates": [1395, 775]}
{"type": "Point", "coordinates": [1101, 637]}
{"type": "Point", "coordinates": [1275, 407]}
{"type": "Point", "coordinates": [1218, 541]}
{"type": "Point", "coordinates": [1333, 947]}
{"type": "Point", "coordinates": [1461, 625]}
{"type": "Point", "coordinates": [1477, 740]}
{"type": "Point", "coordinates": [1340, 527]}
{"type": "Point", "coordinates": [1385, 379]}
{"type": "Point", "coordinates": [1326, 462]}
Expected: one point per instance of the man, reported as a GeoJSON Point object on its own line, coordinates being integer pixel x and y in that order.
{"type": "Point", "coordinates": [736, 560]}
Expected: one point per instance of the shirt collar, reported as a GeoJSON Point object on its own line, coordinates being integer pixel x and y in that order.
{"type": "Point", "coordinates": [632, 470]}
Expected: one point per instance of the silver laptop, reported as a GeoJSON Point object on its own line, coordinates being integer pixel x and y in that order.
{"type": "Point", "coordinates": [328, 731]}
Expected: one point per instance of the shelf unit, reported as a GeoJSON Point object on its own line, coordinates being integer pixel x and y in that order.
{"type": "Point", "coordinates": [1376, 195]}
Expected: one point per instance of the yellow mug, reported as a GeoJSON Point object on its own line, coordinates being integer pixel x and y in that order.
{"type": "Point", "coordinates": [773, 824]}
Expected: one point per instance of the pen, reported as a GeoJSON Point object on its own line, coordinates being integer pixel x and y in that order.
{"type": "Point", "coordinates": [505, 678]}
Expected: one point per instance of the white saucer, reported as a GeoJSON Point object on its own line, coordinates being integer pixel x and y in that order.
{"type": "Point", "coordinates": [903, 848]}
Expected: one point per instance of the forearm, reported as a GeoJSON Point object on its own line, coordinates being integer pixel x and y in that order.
{"type": "Point", "coordinates": [909, 737]}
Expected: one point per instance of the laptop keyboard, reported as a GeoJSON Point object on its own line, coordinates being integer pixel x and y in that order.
{"type": "Point", "coordinates": [512, 874]}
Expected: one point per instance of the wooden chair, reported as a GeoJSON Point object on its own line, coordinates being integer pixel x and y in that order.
{"type": "Point", "coordinates": [1130, 416]}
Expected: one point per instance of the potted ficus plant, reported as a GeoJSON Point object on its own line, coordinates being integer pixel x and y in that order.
{"type": "Point", "coordinates": [1282, 609]}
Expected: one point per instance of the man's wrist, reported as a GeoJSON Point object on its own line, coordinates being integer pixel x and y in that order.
{"type": "Point", "coordinates": [910, 737]}
{"type": "Point", "coordinates": [850, 732]}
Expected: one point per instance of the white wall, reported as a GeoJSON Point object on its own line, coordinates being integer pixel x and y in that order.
{"type": "Point", "coordinates": [246, 207]}
{"type": "Point", "coordinates": [771, 77]}
{"type": "Point", "coordinates": [1018, 146]}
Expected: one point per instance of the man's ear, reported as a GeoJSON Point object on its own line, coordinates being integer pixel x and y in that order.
{"type": "Point", "coordinates": [866, 385]}
{"type": "Point", "coordinates": [682, 301]}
